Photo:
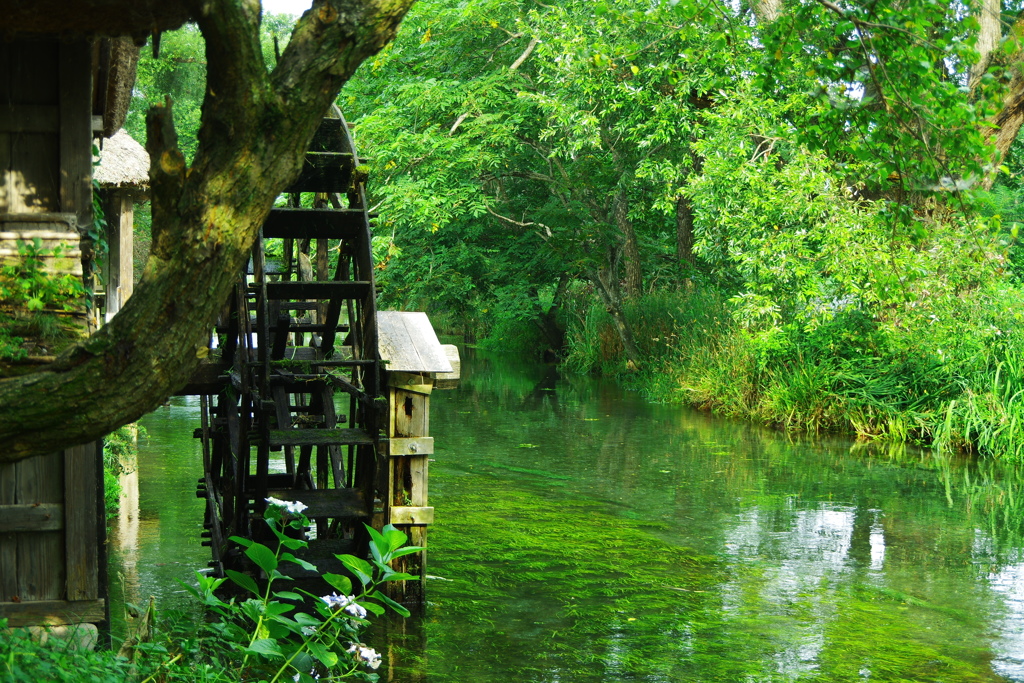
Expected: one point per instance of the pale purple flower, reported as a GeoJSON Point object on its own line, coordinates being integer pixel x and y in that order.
{"type": "Point", "coordinates": [345, 602]}
{"type": "Point", "coordinates": [366, 655]}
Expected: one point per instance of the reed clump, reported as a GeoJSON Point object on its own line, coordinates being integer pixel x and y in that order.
{"type": "Point", "coordinates": [952, 377]}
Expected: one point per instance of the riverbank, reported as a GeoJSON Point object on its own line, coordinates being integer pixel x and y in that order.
{"type": "Point", "coordinates": [947, 373]}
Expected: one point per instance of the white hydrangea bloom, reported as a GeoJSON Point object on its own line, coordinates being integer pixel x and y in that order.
{"type": "Point", "coordinates": [356, 610]}
{"type": "Point", "coordinates": [366, 655]}
{"type": "Point", "coordinates": [292, 507]}
{"type": "Point", "coordinates": [345, 602]}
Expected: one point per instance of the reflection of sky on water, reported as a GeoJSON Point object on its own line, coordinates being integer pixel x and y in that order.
{"type": "Point", "coordinates": [801, 551]}
{"type": "Point", "coordinates": [799, 554]}
{"type": "Point", "coordinates": [1009, 644]}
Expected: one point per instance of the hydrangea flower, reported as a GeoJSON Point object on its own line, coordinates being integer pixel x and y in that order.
{"type": "Point", "coordinates": [292, 507]}
{"type": "Point", "coordinates": [347, 603]}
{"type": "Point", "coordinates": [366, 655]}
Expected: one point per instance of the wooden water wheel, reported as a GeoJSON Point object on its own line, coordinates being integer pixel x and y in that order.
{"type": "Point", "coordinates": [291, 397]}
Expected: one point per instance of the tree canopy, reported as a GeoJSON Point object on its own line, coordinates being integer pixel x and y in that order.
{"type": "Point", "coordinates": [524, 145]}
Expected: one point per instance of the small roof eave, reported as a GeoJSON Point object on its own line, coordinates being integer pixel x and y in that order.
{"type": "Point", "coordinates": [123, 163]}
{"type": "Point", "coordinates": [407, 341]}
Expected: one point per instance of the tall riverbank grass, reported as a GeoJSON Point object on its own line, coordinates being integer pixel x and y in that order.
{"type": "Point", "coordinates": [949, 374]}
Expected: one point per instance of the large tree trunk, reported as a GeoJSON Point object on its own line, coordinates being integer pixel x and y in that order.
{"type": "Point", "coordinates": [990, 31]}
{"type": "Point", "coordinates": [605, 281]}
{"type": "Point", "coordinates": [1002, 128]}
{"type": "Point", "coordinates": [255, 129]}
{"type": "Point", "coordinates": [684, 232]}
{"type": "Point", "coordinates": [634, 272]}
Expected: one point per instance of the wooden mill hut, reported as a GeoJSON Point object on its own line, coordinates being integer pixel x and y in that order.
{"type": "Point", "coordinates": [58, 92]}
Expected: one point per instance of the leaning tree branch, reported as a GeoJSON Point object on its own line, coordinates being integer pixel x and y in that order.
{"type": "Point", "coordinates": [254, 132]}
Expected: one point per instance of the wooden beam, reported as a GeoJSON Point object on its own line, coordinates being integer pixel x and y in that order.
{"type": "Point", "coordinates": [417, 445]}
{"type": "Point", "coordinates": [29, 118]}
{"type": "Point", "coordinates": [76, 129]}
{"type": "Point", "coordinates": [324, 172]}
{"type": "Point", "coordinates": [347, 503]}
{"type": "Point", "coordinates": [415, 516]}
{"type": "Point", "coordinates": [416, 383]}
{"type": "Point", "coordinates": [81, 465]}
{"type": "Point", "coordinates": [38, 517]}
{"type": "Point", "coordinates": [327, 289]}
{"type": "Point", "coordinates": [53, 612]}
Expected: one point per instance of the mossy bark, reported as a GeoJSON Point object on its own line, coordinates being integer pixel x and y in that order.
{"type": "Point", "coordinates": [256, 126]}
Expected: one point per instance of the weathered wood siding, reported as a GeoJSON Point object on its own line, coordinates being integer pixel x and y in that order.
{"type": "Point", "coordinates": [51, 539]}
{"type": "Point", "coordinates": [409, 450]}
{"type": "Point", "coordinates": [45, 146]}
{"type": "Point", "coordinates": [51, 558]}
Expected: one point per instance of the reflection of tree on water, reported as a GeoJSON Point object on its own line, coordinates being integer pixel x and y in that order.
{"type": "Point", "coordinates": [544, 391]}
{"type": "Point", "coordinates": [124, 537]}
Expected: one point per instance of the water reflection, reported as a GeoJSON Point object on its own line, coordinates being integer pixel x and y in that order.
{"type": "Point", "coordinates": [158, 543]}
{"type": "Point", "coordinates": [583, 535]}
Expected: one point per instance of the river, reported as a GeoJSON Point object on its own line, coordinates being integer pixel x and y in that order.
{"type": "Point", "coordinates": [584, 535]}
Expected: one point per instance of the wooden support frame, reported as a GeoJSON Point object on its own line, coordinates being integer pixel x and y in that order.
{"type": "Point", "coordinates": [408, 449]}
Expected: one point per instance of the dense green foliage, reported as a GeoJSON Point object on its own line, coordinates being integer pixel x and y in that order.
{"type": "Point", "coordinates": [33, 294]}
{"type": "Point", "coordinates": [120, 456]}
{"type": "Point", "coordinates": [809, 184]}
{"type": "Point", "coordinates": [783, 217]}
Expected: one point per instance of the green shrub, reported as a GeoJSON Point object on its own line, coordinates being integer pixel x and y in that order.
{"type": "Point", "coordinates": [25, 659]}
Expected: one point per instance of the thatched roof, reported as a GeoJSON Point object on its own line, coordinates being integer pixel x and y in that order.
{"type": "Point", "coordinates": [124, 163]}
{"type": "Point", "coordinates": [116, 59]}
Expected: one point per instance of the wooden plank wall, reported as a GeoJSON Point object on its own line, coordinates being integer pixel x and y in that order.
{"type": "Point", "coordinates": [51, 553]}
{"type": "Point", "coordinates": [45, 147]}
{"type": "Point", "coordinates": [51, 538]}
{"type": "Point", "coordinates": [120, 211]}
{"type": "Point", "coordinates": [52, 230]}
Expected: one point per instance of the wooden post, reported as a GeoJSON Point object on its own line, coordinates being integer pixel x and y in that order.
{"type": "Point", "coordinates": [120, 211]}
{"type": "Point", "coordinates": [409, 447]}
{"type": "Point", "coordinates": [408, 345]}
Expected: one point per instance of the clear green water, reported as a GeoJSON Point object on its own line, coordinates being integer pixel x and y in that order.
{"type": "Point", "coordinates": [584, 535]}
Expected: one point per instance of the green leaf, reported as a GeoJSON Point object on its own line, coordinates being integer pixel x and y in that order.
{"type": "Point", "coordinates": [243, 580]}
{"type": "Point", "coordinates": [288, 557]}
{"type": "Point", "coordinates": [276, 608]}
{"type": "Point", "coordinates": [287, 595]}
{"type": "Point", "coordinates": [325, 656]}
{"type": "Point", "coordinates": [263, 557]}
{"type": "Point", "coordinates": [293, 543]}
{"type": "Point", "coordinates": [373, 607]}
{"type": "Point", "coordinates": [340, 583]}
{"type": "Point", "coordinates": [361, 568]}
{"type": "Point", "coordinates": [267, 647]}
{"type": "Point", "coordinates": [408, 550]}
{"type": "Point", "coordinates": [394, 538]}
{"type": "Point", "coordinates": [307, 619]}
{"type": "Point", "coordinates": [378, 546]}
{"type": "Point", "coordinates": [390, 603]}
